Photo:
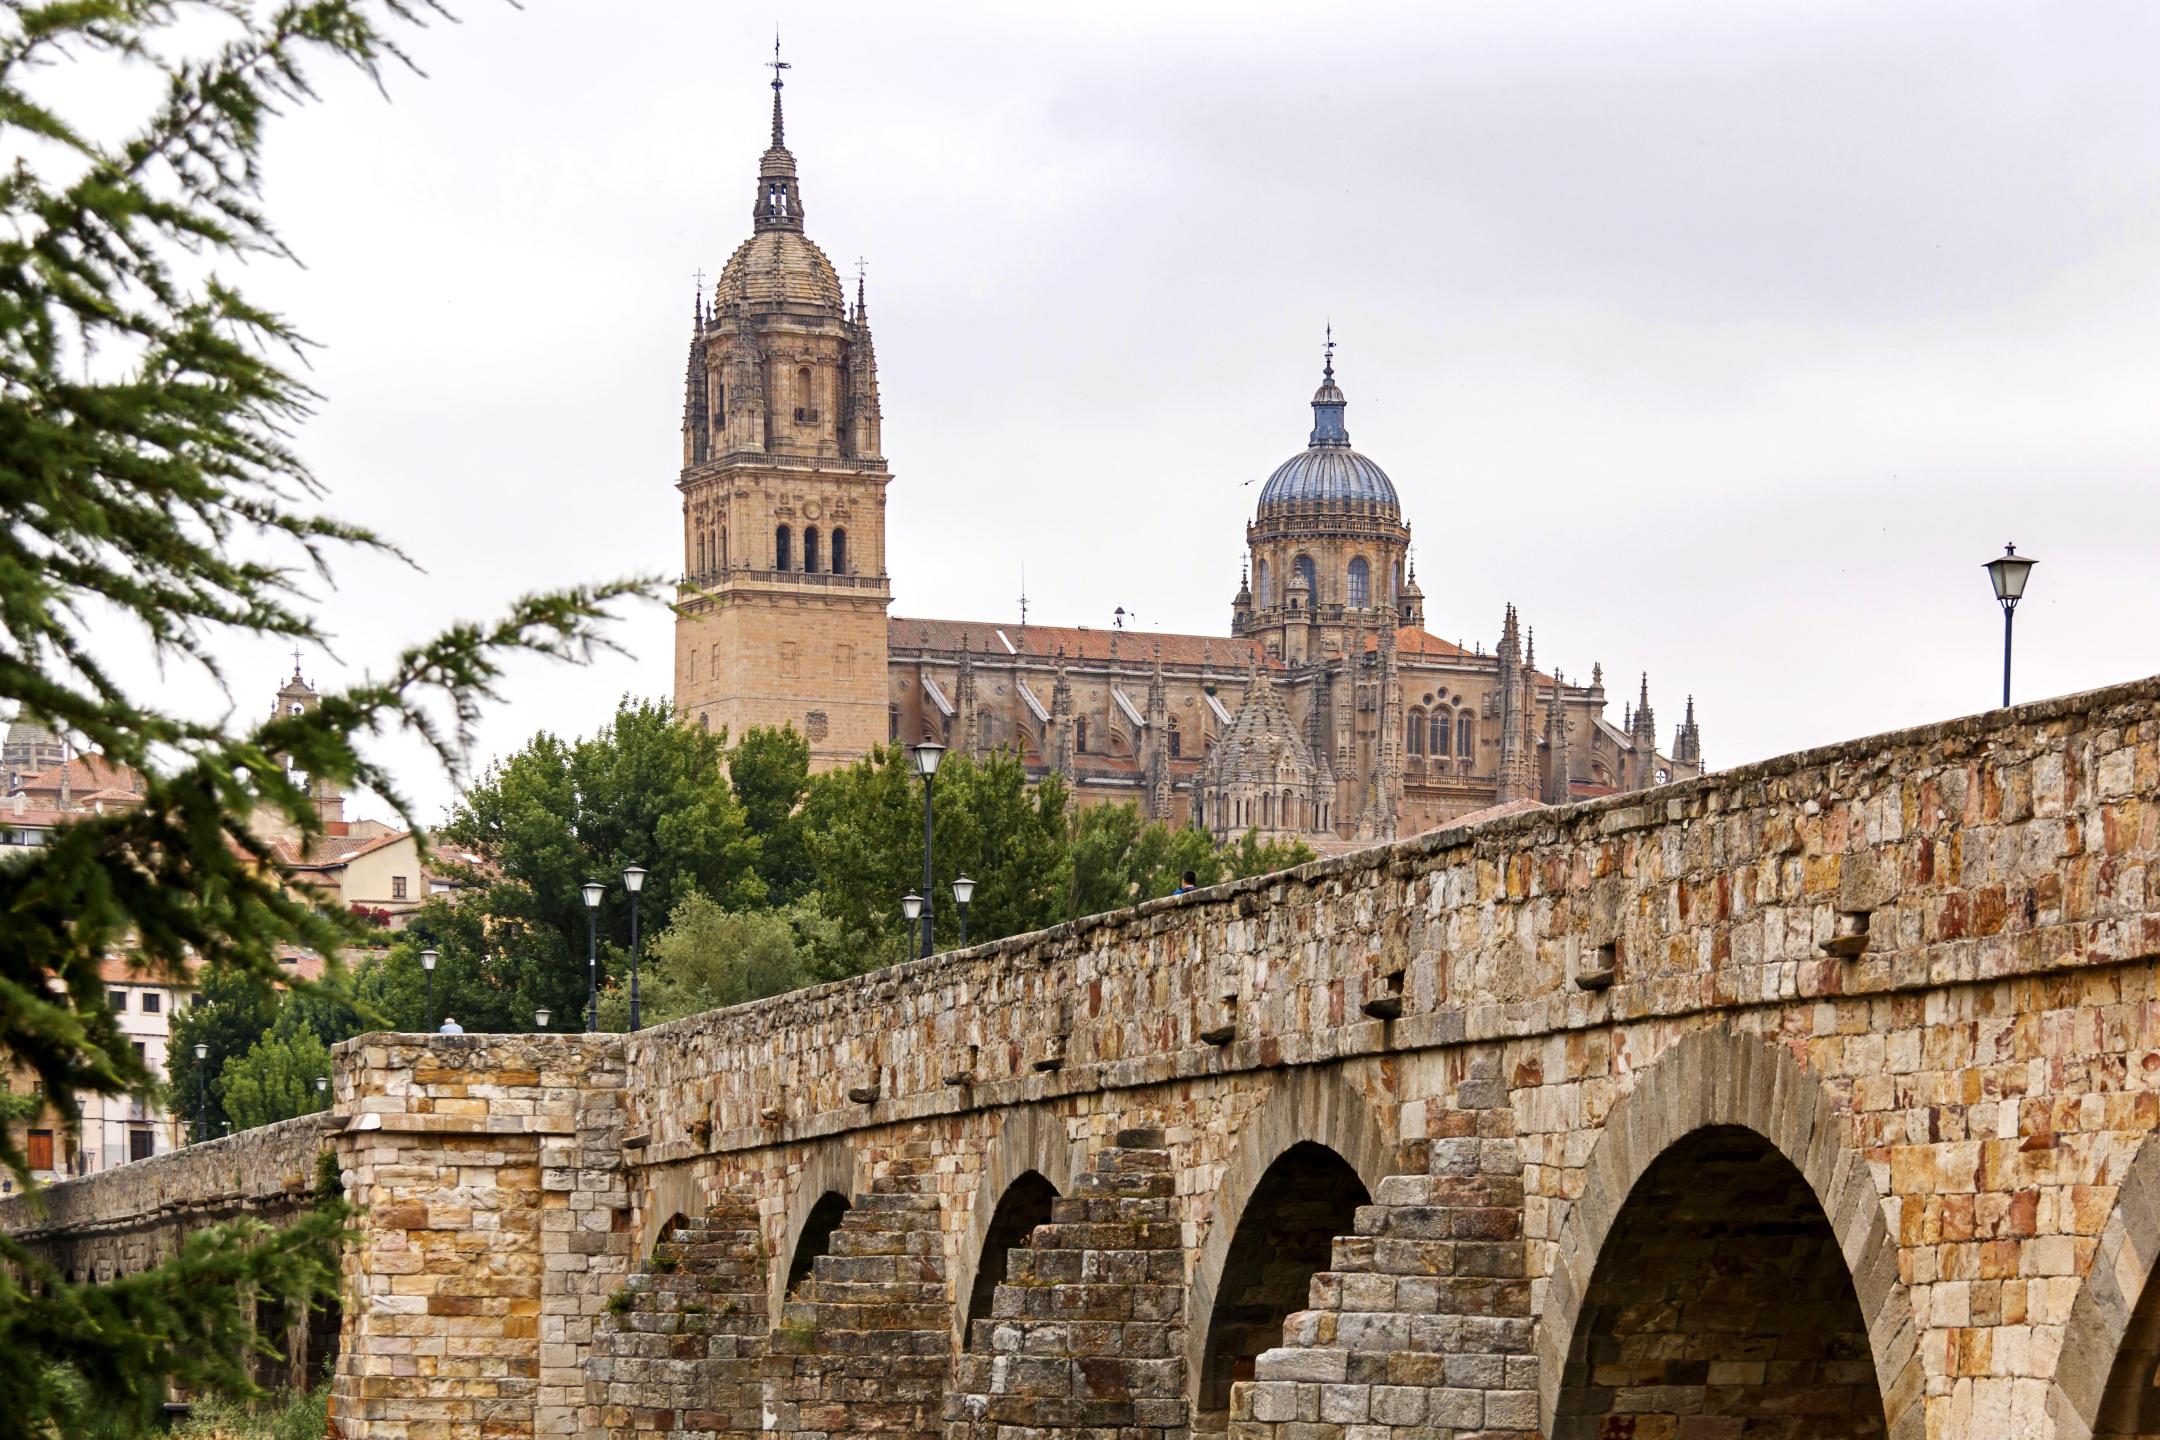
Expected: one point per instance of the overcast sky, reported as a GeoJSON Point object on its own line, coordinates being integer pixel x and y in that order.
{"type": "Point", "coordinates": [1727, 342]}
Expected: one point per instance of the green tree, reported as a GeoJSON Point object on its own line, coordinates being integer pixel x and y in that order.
{"type": "Point", "coordinates": [151, 497]}
{"type": "Point", "coordinates": [863, 828]}
{"type": "Point", "coordinates": [1253, 856]}
{"type": "Point", "coordinates": [709, 958]}
{"type": "Point", "coordinates": [769, 770]}
{"type": "Point", "coordinates": [231, 1012]}
{"type": "Point", "coordinates": [644, 790]}
{"type": "Point", "coordinates": [275, 1080]}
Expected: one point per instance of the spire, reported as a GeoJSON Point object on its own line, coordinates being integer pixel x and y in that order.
{"type": "Point", "coordinates": [1327, 402]}
{"type": "Point", "coordinates": [779, 200]}
{"type": "Point", "coordinates": [776, 65]}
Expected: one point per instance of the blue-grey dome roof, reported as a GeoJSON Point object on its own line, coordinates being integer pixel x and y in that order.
{"type": "Point", "coordinates": [1327, 469]}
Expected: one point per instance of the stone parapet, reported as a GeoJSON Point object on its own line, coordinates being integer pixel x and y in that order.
{"type": "Point", "coordinates": [130, 1217]}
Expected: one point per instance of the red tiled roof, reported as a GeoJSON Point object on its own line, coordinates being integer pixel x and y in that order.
{"type": "Point", "coordinates": [1080, 643]}
{"type": "Point", "coordinates": [85, 774]}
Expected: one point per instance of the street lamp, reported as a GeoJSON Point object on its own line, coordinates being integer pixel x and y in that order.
{"type": "Point", "coordinates": [427, 963]}
{"type": "Point", "coordinates": [963, 890]}
{"type": "Point", "coordinates": [911, 911]}
{"type": "Point", "coordinates": [322, 1084]}
{"type": "Point", "coordinates": [927, 756]}
{"type": "Point", "coordinates": [540, 1018]}
{"type": "Point", "coordinates": [633, 879]}
{"type": "Point", "coordinates": [593, 891]}
{"type": "Point", "coordinates": [2008, 573]}
{"type": "Point", "coordinates": [202, 1093]}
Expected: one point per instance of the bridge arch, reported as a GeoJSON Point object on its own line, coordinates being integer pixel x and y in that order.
{"type": "Point", "coordinates": [830, 1169]}
{"type": "Point", "coordinates": [1718, 1084]}
{"type": "Point", "coordinates": [2115, 1305]}
{"type": "Point", "coordinates": [1029, 1141]}
{"type": "Point", "coordinates": [1309, 1109]}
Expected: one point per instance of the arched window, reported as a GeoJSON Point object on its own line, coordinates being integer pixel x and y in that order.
{"type": "Point", "coordinates": [805, 407]}
{"type": "Point", "coordinates": [1360, 582]}
{"type": "Point", "coordinates": [1288, 812]}
{"type": "Point", "coordinates": [723, 547]}
{"type": "Point", "coordinates": [1440, 732]}
{"type": "Point", "coordinates": [1415, 732]}
{"type": "Point", "coordinates": [809, 549]}
{"type": "Point", "coordinates": [783, 547]}
{"type": "Point", "coordinates": [892, 722]}
{"type": "Point", "coordinates": [1311, 577]}
{"type": "Point", "coordinates": [1080, 735]}
{"type": "Point", "coordinates": [1267, 811]}
{"type": "Point", "coordinates": [700, 554]}
{"type": "Point", "coordinates": [1177, 740]}
{"type": "Point", "coordinates": [839, 551]}
{"type": "Point", "coordinates": [1464, 739]}
{"type": "Point", "coordinates": [1267, 585]}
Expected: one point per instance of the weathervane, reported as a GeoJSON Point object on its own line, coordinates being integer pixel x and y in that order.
{"type": "Point", "coordinates": [776, 64]}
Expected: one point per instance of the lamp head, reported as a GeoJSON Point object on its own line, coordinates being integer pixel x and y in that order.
{"type": "Point", "coordinates": [322, 1083]}
{"type": "Point", "coordinates": [963, 889]}
{"type": "Point", "coordinates": [927, 755]}
{"type": "Point", "coordinates": [540, 1017]}
{"type": "Point", "coordinates": [911, 905]}
{"type": "Point", "coordinates": [2008, 573]}
{"type": "Point", "coordinates": [633, 878]}
{"type": "Point", "coordinates": [593, 890]}
{"type": "Point", "coordinates": [202, 1052]}
{"type": "Point", "coordinates": [428, 958]}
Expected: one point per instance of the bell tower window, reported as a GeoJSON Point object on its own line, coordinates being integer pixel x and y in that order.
{"type": "Point", "coordinates": [783, 548]}
{"type": "Point", "coordinates": [839, 551]}
{"type": "Point", "coordinates": [809, 550]}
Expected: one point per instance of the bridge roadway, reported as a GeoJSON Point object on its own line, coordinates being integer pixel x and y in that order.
{"type": "Point", "coordinates": [1811, 1099]}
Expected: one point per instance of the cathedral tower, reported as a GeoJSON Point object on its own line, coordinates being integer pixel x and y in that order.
{"type": "Point", "coordinates": [780, 614]}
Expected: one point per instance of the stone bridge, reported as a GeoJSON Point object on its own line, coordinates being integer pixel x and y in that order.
{"type": "Point", "coordinates": [1811, 1099]}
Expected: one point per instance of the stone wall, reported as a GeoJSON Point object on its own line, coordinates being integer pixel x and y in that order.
{"type": "Point", "coordinates": [129, 1218]}
{"type": "Point", "coordinates": [489, 1174]}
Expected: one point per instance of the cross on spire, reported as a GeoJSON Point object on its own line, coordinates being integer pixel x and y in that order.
{"type": "Point", "coordinates": [776, 65]}
{"type": "Point", "coordinates": [296, 662]}
{"type": "Point", "coordinates": [1329, 367]}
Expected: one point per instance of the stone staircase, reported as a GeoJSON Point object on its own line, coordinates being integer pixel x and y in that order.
{"type": "Point", "coordinates": [864, 1343]}
{"type": "Point", "coordinates": [679, 1351]}
{"type": "Point", "coordinates": [1421, 1326]}
{"type": "Point", "coordinates": [1086, 1336]}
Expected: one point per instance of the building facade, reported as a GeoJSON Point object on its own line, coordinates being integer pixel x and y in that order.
{"type": "Point", "coordinates": [1327, 713]}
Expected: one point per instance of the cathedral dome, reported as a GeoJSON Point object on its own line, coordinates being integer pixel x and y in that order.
{"type": "Point", "coordinates": [783, 266]}
{"type": "Point", "coordinates": [1327, 470]}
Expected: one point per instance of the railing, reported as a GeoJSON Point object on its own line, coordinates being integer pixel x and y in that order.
{"type": "Point", "coordinates": [797, 579]}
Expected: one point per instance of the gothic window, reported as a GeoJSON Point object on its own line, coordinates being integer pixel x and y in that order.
{"type": "Point", "coordinates": [1464, 739]}
{"type": "Point", "coordinates": [1311, 577]}
{"type": "Point", "coordinates": [809, 549]}
{"type": "Point", "coordinates": [1360, 582]}
{"type": "Point", "coordinates": [805, 406]}
{"type": "Point", "coordinates": [1267, 811]}
{"type": "Point", "coordinates": [723, 547]}
{"type": "Point", "coordinates": [1176, 740]}
{"type": "Point", "coordinates": [1267, 585]}
{"type": "Point", "coordinates": [1415, 732]}
{"type": "Point", "coordinates": [1080, 735]}
{"type": "Point", "coordinates": [839, 551]}
{"type": "Point", "coordinates": [1289, 815]}
{"type": "Point", "coordinates": [783, 548]}
{"type": "Point", "coordinates": [1440, 732]}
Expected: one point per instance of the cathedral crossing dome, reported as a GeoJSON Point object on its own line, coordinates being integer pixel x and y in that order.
{"type": "Point", "coordinates": [1327, 470]}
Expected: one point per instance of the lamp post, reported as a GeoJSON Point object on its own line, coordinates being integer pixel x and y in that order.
{"type": "Point", "coordinates": [927, 756]}
{"type": "Point", "coordinates": [633, 879]}
{"type": "Point", "coordinates": [2008, 573]}
{"type": "Point", "coordinates": [322, 1085]}
{"type": "Point", "coordinates": [963, 890]}
{"type": "Point", "coordinates": [202, 1093]}
{"type": "Point", "coordinates": [540, 1018]}
{"type": "Point", "coordinates": [427, 963]}
{"type": "Point", "coordinates": [593, 891]}
{"type": "Point", "coordinates": [911, 911]}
